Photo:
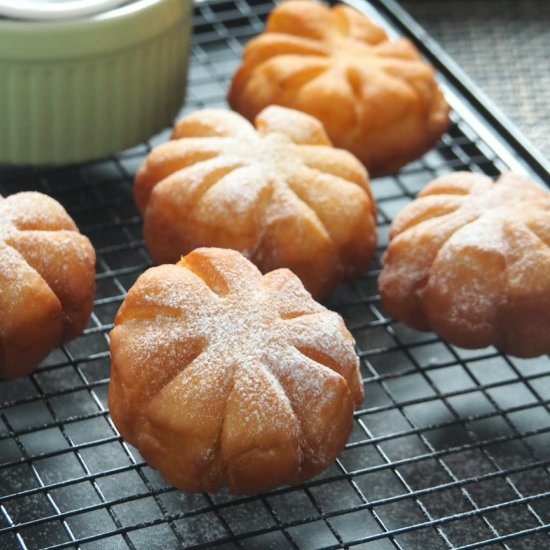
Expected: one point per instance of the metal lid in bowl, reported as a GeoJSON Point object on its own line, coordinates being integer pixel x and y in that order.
{"type": "Point", "coordinates": [56, 10]}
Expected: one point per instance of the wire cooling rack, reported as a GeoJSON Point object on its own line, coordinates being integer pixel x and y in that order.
{"type": "Point", "coordinates": [451, 448]}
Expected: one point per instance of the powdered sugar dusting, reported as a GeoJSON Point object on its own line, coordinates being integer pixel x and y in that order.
{"type": "Point", "coordinates": [32, 210]}
{"type": "Point", "coordinates": [154, 343]}
{"type": "Point", "coordinates": [323, 333]}
{"type": "Point", "coordinates": [243, 328]}
{"type": "Point", "coordinates": [169, 293]}
{"type": "Point", "coordinates": [271, 156]}
{"type": "Point", "coordinates": [15, 275]}
{"type": "Point", "coordinates": [461, 257]}
{"type": "Point", "coordinates": [484, 234]}
{"type": "Point", "coordinates": [7, 229]}
{"type": "Point", "coordinates": [169, 286]}
{"type": "Point", "coordinates": [406, 270]}
{"type": "Point", "coordinates": [466, 271]}
{"type": "Point", "coordinates": [242, 333]}
{"type": "Point", "coordinates": [261, 404]}
{"type": "Point", "coordinates": [42, 232]}
{"type": "Point", "coordinates": [235, 194]}
{"type": "Point", "coordinates": [288, 295]}
{"type": "Point", "coordinates": [304, 381]}
{"type": "Point", "coordinates": [298, 126]}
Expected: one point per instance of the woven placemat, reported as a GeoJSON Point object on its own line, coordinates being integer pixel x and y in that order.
{"type": "Point", "coordinates": [504, 46]}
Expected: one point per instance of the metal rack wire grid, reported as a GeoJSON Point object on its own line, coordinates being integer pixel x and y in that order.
{"type": "Point", "coordinates": [451, 448]}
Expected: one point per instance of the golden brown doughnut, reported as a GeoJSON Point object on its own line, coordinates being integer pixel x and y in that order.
{"type": "Point", "coordinates": [278, 193]}
{"type": "Point", "coordinates": [470, 259]}
{"type": "Point", "coordinates": [222, 376]}
{"type": "Point", "coordinates": [376, 98]}
{"type": "Point", "coordinates": [47, 280]}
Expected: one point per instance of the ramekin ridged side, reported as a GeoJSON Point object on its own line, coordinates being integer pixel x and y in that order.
{"type": "Point", "coordinates": [65, 109]}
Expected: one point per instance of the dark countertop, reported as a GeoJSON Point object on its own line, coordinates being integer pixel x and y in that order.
{"type": "Point", "coordinates": [504, 46]}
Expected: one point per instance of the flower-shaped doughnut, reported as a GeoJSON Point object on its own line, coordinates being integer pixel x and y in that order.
{"type": "Point", "coordinates": [222, 376]}
{"type": "Point", "coordinates": [280, 194]}
{"type": "Point", "coordinates": [470, 259]}
{"type": "Point", "coordinates": [375, 97]}
{"type": "Point", "coordinates": [47, 280]}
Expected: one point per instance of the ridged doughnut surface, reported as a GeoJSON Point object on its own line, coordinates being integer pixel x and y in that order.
{"type": "Point", "coordinates": [278, 193]}
{"type": "Point", "coordinates": [47, 280]}
{"type": "Point", "coordinates": [470, 259]}
{"type": "Point", "coordinates": [222, 376]}
{"type": "Point", "coordinates": [376, 98]}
